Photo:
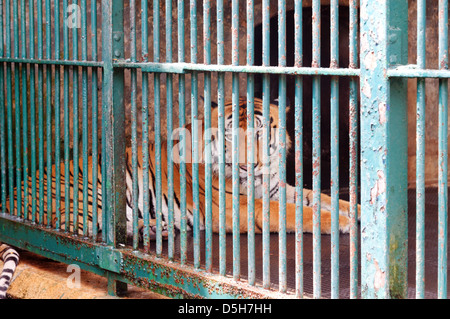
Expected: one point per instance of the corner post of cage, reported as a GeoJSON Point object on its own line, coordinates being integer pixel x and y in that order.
{"type": "Point", "coordinates": [384, 44]}
{"type": "Point", "coordinates": [113, 132]}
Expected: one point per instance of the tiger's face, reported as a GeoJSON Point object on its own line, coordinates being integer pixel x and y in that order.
{"type": "Point", "coordinates": [244, 133]}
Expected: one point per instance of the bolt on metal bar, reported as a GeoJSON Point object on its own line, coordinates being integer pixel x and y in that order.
{"type": "Point", "coordinates": [317, 277]}
{"type": "Point", "coordinates": [207, 128]}
{"type": "Point", "coordinates": [298, 34]}
{"type": "Point", "coordinates": [221, 138]}
{"type": "Point", "coordinates": [181, 124]}
{"type": "Point", "coordinates": [266, 145]}
{"type": "Point", "coordinates": [420, 153]}
{"type": "Point", "coordinates": [250, 144]}
{"type": "Point", "coordinates": [170, 167]}
{"type": "Point", "coordinates": [334, 148]}
{"type": "Point", "coordinates": [443, 151]}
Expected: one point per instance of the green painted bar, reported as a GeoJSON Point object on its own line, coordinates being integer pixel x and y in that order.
{"type": "Point", "coordinates": [66, 117]}
{"type": "Point", "coordinates": [207, 138]}
{"type": "Point", "coordinates": [221, 137]}
{"type": "Point", "coordinates": [40, 88]}
{"type": "Point", "coordinates": [316, 153]}
{"type": "Point", "coordinates": [443, 152]}
{"type": "Point", "coordinates": [170, 167]}
{"type": "Point", "coordinates": [420, 153]}
{"type": "Point", "coordinates": [354, 150]}
{"type": "Point", "coordinates": [85, 114]}
{"type": "Point", "coordinates": [75, 129]}
{"type": "Point", "coordinates": [134, 142]}
{"type": "Point", "coordinates": [298, 148]}
{"type": "Point", "coordinates": [266, 146]}
{"type": "Point", "coordinates": [25, 114]}
{"type": "Point", "coordinates": [282, 273]}
{"type": "Point", "coordinates": [145, 133]}
{"type": "Point", "coordinates": [95, 117]}
{"type": "Point", "coordinates": [48, 69]}
{"type": "Point", "coordinates": [17, 106]}
{"type": "Point", "coordinates": [157, 128]}
{"type": "Point", "coordinates": [195, 134]}
{"type": "Point", "coordinates": [334, 149]}
{"type": "Point", "coordinates": [2, 116]}
{"type": "Point", "coordinates": [57, 118]}
{"type": "Point", "coordinates": [251, 144]}
{"type": "Point", "coordinates": [33, 141]}
{"type": "Point", "coordinates": [235, 141]}
{"type": "Point", "coordinates": [181, 124]}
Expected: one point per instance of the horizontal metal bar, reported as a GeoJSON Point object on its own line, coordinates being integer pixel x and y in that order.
{"type": "Point", "coordinates": [94, 64]}
{"type": "Point", "coordinates": [411, 71]}
{"type": "Point", "coordinates": [126, 265]}
{"type": "Point", "coordinates": [183, 68]}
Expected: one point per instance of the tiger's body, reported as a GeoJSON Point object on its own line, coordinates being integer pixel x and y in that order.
{"type": "Point", "coordinates": [344, 206]}
{"type": "Point", "coordinates": [10, 259]}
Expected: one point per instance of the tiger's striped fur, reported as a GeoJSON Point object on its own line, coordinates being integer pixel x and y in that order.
{"type": "Point", "coordinates": [344, 206]}
{"type": "Point", "coordinates": [10, 259]}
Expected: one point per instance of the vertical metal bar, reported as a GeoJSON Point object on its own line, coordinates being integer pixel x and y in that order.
{"type": "Point", "coordinates": [57, 119]}
{"type": "Point", "coordinates": [221, 137]}
{"type": "Point", "coordinates": [17, 106]}
{"type": "Point", "coordinates": [383, 150]}
{"type": "Point", "coordinates": [207, 111]}
{"type": "Point", "coordinates": [235, 142]}
{"type": "Point", "coordinates": [157, 110]}
{"type": "Point", "coordinates": [94, 122]}
{"type": "Point", "coordinates": [113, 118]}
{"type": "Point", "coordinates": [282, 277]}
{"type": "Point", "coordinates": [76, 113]}
{"type": "Point", "coordinates": [2, 118]}
{"type": "Point", "coordinates": [317, 277]}
{"type": "Point", "coordinates": [195, 134]}
{"type": "Point", "coordinates": [145, 137]}
{"type": "Point", "coordinates": [85, 128]}
{"type": "Point", "coordinates": [48, 68]}
{"type": "Point", "coordinates": [24, 108]}
{"type": "Point", "coordinates": [334, 148]}
{"type": "Point", "coordinates": [40, 112]}
{"type": "Point", "coordinates": [298, 33]}
{"type": "Point", "coordinates": [169, 92]}
{"type": "Point", "coordinates": [250, 143]}
{"type": "Point", "coordinates": [134, 150]}
{"type": "Point", "coordinates": [354, 129]}
{"type": "Point", "coordinates": [443, 151]}
{"type": "Point", "coordinates": [9, 115]}
{"type": "Point", "coordinates": [66, 121]}
{"type": "Point", "coordinates": [32, 113]}
{"type": "Point", "coordinates": [420, 153]}
{"type": "Point", "coordinates": [266, 145]}
{"type": "Point", "coordinates": [181, 124]}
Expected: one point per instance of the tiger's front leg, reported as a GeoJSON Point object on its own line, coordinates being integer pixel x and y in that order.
{"type": "Point", "coordinates": [325, 201]}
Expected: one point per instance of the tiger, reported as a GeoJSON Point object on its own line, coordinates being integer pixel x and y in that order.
{"type": "Point", "coordinates": [10, 258]}
{"type": "Point", "coordinates": [325, 224]}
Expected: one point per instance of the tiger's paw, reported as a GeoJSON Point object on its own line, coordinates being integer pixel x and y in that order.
{"type": "Point", "coordinates": [153, 230]}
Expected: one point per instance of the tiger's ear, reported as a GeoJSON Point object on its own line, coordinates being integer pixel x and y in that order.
{"type": "Point", "coordinates": [213, 104]}
{"type": "Point", "coordinates": [288, 103]}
